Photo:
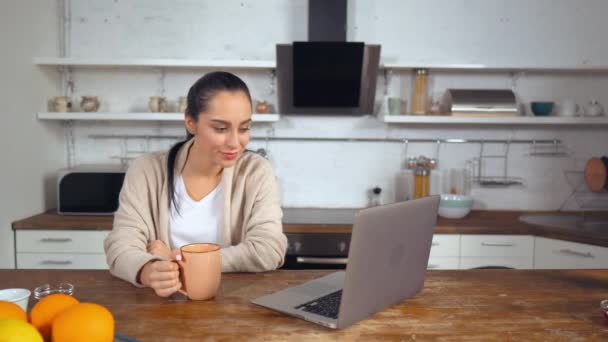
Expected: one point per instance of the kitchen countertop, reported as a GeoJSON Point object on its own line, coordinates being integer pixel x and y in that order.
{"type": "Point", "coordinates": [340, 221]}
{"type": "Point", "coordinates": [480, 305]}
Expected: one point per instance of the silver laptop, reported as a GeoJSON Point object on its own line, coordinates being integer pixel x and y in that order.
{"type": "Point", "coordinates": [388, 257]}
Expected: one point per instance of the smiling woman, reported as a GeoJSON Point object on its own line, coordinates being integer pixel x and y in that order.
{"type": "Point", "coordinates": [207, 188]}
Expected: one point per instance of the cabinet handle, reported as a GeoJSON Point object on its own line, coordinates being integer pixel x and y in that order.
{"type": "Point", "coordinates": [328, 261]}
{"type": "Point", "coordinates": [498, 244]}
{"type": "Point", "coordinates": [56, 240]}
{"type": "Point", "coordinates": [575, 253]}
{"type": "Point", "coordinates": [432, 266]}
{"type": "Point", "coordinates": [56, 262]}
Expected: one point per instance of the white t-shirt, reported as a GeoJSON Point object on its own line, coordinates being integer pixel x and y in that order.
{"type": "Point", "coordinates": [197, 221]}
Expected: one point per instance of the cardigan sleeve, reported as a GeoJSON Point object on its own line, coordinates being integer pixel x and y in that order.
{"type": "Point", "coordinates": [264, 244]}
{"type": "Point", "coordinates": [125, 246]}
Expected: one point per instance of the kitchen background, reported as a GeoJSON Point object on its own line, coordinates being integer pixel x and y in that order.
{"type": "Point", "coordinates": [499, 33]}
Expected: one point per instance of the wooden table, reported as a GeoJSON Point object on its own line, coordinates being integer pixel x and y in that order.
{"type": "Point", "coordinates": [466, 305]}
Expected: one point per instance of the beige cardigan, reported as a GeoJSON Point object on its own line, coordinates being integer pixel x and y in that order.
{"type": "Point", "coordinates": [252, 229]}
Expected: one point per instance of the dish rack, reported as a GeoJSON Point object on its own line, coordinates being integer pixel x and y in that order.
{"type": "Point", "coordinates": [585, 199]}
{"type": "Point", "coordinates": [500, 180]}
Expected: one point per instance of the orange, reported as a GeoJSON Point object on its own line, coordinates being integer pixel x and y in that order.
{"type": "Point", "coordinates": [44, 312]}
{"type": "Point", "coordinates": [11, 310]}
{"type": "Point", "coordinates": [84, 322]}
{"type": "Point", "coordinates": [16, 330]}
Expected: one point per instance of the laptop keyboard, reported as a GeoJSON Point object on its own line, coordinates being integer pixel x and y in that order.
{"type": "Point", "coordinates": [327, 305]}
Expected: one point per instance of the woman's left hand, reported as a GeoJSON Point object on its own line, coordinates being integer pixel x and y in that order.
{"type": "Point", "coordinates": [159, 248]}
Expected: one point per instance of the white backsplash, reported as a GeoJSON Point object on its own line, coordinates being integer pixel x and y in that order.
{"type": "Point", "coordinates": [340, 174]}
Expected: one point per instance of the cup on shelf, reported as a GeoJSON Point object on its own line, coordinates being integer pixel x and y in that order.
{"type": "Point", "coordinates": [393, 105]}
{"type": "Point", "coordinates": [60, 104]}
{"type": "Point", "coordinates": [569, 107]}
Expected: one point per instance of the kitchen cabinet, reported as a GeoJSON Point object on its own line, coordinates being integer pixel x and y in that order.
{"type": "Point", "coordinates": [445, 252]}
{"type": "Point", "coordinates": [60, 249]}
{"type": "Point", "coordinates": [511, 251]}
{"type": "Point", "coordinates": [559, 254]}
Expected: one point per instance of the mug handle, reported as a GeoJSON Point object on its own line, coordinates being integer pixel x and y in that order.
{"type": "Point", "coordinates": [180, 264]}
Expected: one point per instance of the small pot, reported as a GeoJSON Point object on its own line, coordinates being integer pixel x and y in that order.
{"type": "Point", "coordinates": [89, 103]}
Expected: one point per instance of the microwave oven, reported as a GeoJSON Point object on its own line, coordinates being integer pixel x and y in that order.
{"type": "Point", "coordinates": [89, 190]}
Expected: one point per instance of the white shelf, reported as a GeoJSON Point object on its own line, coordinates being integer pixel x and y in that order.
{"type": "Point", "coordinates": [516, 120]}
{"type": "Point", "coordinates": [271, 64]}
{"type": "Point", "coordinates": [156, 62]}
{"type": "Point", "coordinates": [96, 116]}
{"type": "Point", "coordinates": [484, 67]}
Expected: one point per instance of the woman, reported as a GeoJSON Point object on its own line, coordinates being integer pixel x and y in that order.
{"type": "Point", "coordinates": [207, 188]}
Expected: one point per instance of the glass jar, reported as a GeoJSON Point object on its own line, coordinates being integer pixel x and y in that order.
{"type": "Point", "coordinates": [421, 182]}
{"type": "Point", "coordinates": [419, 93]}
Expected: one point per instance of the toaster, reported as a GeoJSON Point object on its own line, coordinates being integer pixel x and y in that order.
{"type": "Point", "coordinates": [89, 190]}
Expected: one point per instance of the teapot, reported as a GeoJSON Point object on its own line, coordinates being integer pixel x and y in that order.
{"type": "Point", "coordinates": [594, 108]}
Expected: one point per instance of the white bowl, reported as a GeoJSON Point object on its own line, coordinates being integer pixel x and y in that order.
{"type": "Point", "coordinates": [455, 206]}
{"type": "Point", "coordinates": [20, 297]}
{"type": "Point", "coordinates": [453, 213]}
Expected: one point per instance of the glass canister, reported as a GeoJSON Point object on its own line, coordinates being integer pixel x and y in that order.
{"type": "Point", "coordinates": [421, 182]}
{"type": "Point", "coordinates": [419, 92]}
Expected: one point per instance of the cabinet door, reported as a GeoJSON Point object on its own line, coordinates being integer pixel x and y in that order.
{"type": "Point", "coordinates": [445, 245]}
{"type": "Point", "coordinates": [60, 241]}
{"type": "Point", "coordinates": [61, 261]}
{"type": "Point", "coordinates": [559, 254]}
{"type": "Point", "coordinates": [443, 263]}
{"type": "Point", "coordinates": [497, 246]}
{"type": "Point", "coordinates": [524, 263]}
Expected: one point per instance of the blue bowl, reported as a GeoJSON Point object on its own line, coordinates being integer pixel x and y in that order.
{"type": "Point", "coordinates": [541, 108]}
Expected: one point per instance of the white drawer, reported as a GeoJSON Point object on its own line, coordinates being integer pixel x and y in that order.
{"type": "Point", "coordinates": [443, 263]}
{"type": "Point", "coordinates": [445, 245]}
{"type": "Point", "coordinates": [558, 254]}
{"type": "Point", "coordinates": [496, 245]}
{"type": "Point", "coordinates": [61, 241]}
{"type": "Point", "coordinates": [61, 261]}
{"type": "Point", "coordinates": [524, 263]}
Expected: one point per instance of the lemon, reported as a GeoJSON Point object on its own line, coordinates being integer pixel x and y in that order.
{"type": "Point", "coordinates": [16, 330]}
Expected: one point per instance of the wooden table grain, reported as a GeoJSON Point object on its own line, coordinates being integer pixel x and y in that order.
{"type": "Point", "coordinates": [463, 305]}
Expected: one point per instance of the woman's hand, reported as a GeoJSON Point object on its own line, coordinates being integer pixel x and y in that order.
{"type": "Point", "coordinates": [162, 276]}
{"type": "Point", "coordinates": [159, 248]}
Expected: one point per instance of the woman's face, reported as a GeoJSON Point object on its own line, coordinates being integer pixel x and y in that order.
{"type": "Point", "coordinates": [222, 132]}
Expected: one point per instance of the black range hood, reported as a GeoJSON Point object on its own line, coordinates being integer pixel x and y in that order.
{"type": "Point", "coordinates": [327, 75]}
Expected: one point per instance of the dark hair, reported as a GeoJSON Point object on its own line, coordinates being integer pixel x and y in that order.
{"type": "Point", "coordinates": [199, 95]}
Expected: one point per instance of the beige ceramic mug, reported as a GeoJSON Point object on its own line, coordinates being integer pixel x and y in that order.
{"type": "Point", "coordinates": [200, 270]}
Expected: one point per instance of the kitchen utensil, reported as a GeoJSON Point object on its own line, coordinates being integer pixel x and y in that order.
{"type": "Point", "coordinates": [595, 174]}
{"type": "Point", "coordinates": [541, 108]}
{"type": "Point", "coordinates": [594, 108]}
{"type": "Point", "coordinates": [20, 297]}
{"type": "Point", "coordinates": [455, 206]}
{"type": "Point", "coordinates": [47, 289]}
